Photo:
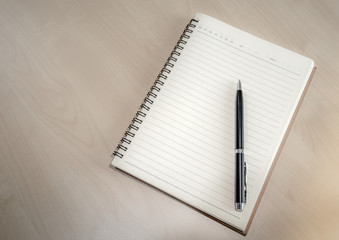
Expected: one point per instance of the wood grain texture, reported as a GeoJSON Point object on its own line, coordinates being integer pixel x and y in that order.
{"type": "Point", "coordinates": [72, 74]}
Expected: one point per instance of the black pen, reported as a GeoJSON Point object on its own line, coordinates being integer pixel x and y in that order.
{"type": "Point", "coordinates": [240, 165]}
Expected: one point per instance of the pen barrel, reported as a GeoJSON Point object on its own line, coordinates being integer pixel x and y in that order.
{"type": "Point", "coordinates": [239, 121]}
{"type": "Point", "coordinates": [240, 178]}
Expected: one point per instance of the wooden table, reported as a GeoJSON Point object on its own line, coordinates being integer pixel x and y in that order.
{"type": "Point", "coordinates": [73, 73]}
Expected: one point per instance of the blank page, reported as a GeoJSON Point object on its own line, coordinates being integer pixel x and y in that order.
{"type": "Point", "coordinates": [185, 144]}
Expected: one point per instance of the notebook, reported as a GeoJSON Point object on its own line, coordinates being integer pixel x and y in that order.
{"type": "Point", "coordinates": [181, 140]}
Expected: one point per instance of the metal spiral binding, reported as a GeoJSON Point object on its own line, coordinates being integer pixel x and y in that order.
{"type": "Point", "coordinates": [151, 95]}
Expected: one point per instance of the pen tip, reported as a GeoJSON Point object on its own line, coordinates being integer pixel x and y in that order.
{"type": "Point", "coordinates": [239, 85]}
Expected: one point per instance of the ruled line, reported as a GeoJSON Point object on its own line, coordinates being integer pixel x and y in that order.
{"type": "Point", "coordinates": [221, 130]}
{"type": "Point", "coordinates": [250, 54]}
{"type": "Point", "coordinates": [202, 171]}
{"type": "Point", "coordinates": [210, 73]}
{"type": "Point", "coordinates": [192, 70]}
{"type": "Point", "coordinates": [226, 99]}
{"type": "Point", "coordinates": [248, 73]}
{"type": "Point", "coordinates": [270, 128]}
{"type": "Point", "coordinates": [191, 137]}
{"type": "Point", "coordinates": [199, 138]}
{"type": "Point", "coordinates": [176, 138]}
{"type": "Point", "coordinates": [175, 186]}
{"type": "Point", "coordinates": [186, 170]}
{"type": "Point", "coordinates": [203, 82]}
{"type": "Point", "coordinates": [208, 116]}
{"type": "Point", "coordinates": [226, 117]}
{"type": "Point", "coordinates": [223, 50]}
{"type": "Point", "coordinates": [199, 161]}
{"type": "Point", "coordinates": [176, 179]}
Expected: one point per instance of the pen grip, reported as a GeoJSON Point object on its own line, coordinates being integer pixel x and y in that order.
{"type": "Point", "coordinates": [240, 178]}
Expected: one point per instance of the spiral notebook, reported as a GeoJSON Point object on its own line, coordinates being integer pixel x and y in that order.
{"type": "Point", "coordinates": [181, 140]}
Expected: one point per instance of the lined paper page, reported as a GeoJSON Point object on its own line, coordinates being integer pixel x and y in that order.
{"type": "Point", "coordinates": [185, 145]}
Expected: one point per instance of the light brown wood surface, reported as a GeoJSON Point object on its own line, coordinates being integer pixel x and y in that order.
{"type": "Point", "coordinates": [72, 75]}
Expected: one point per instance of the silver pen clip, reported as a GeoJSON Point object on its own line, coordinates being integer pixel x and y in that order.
{"type": "Point", "coordinates": [245, 170]}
